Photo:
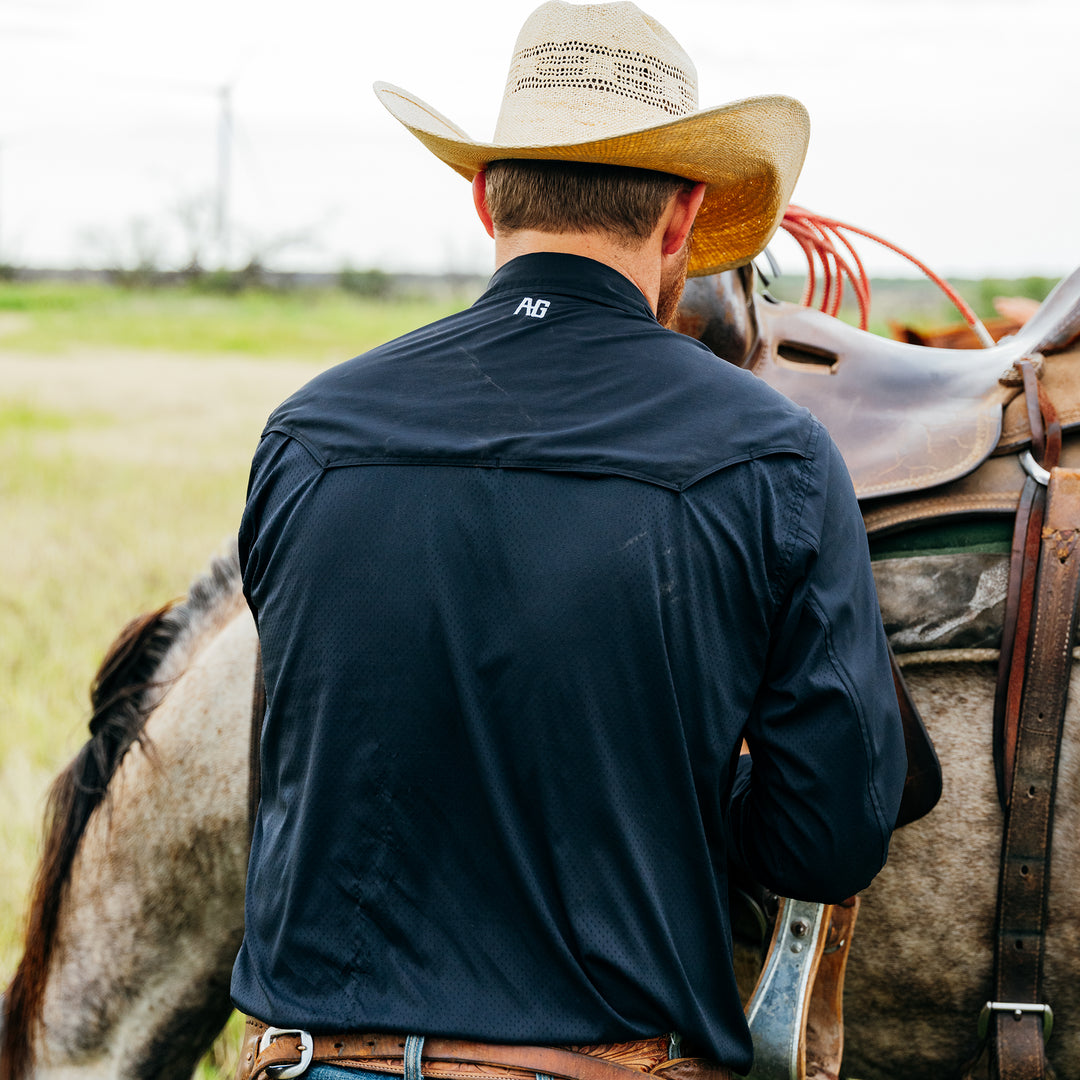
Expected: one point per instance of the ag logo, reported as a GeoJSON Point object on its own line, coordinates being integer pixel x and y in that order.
{"type": "Point", "coordinates": [535, 309]}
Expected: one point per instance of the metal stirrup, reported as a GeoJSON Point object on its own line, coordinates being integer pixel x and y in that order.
{"type": "Point", "coordinates": [776, 1014]}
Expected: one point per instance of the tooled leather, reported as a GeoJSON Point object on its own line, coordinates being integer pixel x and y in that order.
{"type": "Point", "coordinates": [691, 1069]}
{"type": "Point", "coordinates": [642, 1054]}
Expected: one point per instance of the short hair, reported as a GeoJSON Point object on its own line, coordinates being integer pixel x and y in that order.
{"type": "Point", "coordinates": [578, 196]}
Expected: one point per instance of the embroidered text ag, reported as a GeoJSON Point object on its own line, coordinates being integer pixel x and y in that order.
{"type": "Point", "coordinates": [535, 309]}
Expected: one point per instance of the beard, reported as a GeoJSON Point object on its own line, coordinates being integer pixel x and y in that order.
{"type": "Point", "coordinates": [672, 283]}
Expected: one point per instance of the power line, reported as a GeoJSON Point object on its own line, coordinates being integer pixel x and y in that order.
{"type": "Point", "coordinates": [225, 131]}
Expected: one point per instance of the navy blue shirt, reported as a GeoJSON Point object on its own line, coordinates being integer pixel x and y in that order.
{"type": "Point", "coordinates": [524, 579]}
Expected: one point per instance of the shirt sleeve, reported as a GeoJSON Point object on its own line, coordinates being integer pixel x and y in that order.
{"type": "Point", "coordinates": [812, 812]}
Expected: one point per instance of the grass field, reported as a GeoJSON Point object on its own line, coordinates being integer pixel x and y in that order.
{"type": "Point", "coordinates": [318, 325]}
{"type": "Point", "coordinates": [127, 421]}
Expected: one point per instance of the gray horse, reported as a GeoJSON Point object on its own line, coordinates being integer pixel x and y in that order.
{"type": "Point", "coordinates": [137, 911]}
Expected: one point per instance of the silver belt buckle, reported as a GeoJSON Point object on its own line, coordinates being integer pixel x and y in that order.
{"type": "Point", "coordinates": [307, 1049]}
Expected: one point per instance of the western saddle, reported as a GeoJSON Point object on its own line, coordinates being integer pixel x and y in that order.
{"type": "Point", "coordinates": [906, 418]}
{"type": "Point", "coordinates": [931, 434]}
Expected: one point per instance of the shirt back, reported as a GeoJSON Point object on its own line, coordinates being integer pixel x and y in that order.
{"type": "Point", "coordinates": [519, 580]}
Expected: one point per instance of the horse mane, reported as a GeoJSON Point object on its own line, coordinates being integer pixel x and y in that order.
{"type": "Point", "coordinates": [147, 657]}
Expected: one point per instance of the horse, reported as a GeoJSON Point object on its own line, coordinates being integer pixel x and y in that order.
{"type": "Point", "coordinates": [137, 910]}
{"type": "Point", "coordinates": [137, 907]}
{"type": "Point", "coordinates": [1012, 313]}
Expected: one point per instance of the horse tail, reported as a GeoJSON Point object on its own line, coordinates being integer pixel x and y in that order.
{"type": "Point", "coordinates": [120, 693]}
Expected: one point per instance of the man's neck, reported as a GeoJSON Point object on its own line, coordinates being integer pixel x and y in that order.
{"type": "Point", "coordinates": [639, 265]}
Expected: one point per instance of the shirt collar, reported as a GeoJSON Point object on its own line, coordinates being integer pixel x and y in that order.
{"type": "Point", "coordinates": [576, 275]}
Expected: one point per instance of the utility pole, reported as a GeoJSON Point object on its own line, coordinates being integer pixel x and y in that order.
{"type": "Point", "coordinates": [224, 162]}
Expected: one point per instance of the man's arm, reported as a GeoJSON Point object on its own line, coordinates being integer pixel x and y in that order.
{"type": "Point", "coordinates": [812, 812]}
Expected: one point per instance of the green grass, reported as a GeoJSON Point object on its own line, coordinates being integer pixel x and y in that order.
{"type": "Point", "coordinates": [127, 423]}
{"type": "Point", "coordinates": [328, 325]}
{"type": "Point", "coordinates": [110, 508]}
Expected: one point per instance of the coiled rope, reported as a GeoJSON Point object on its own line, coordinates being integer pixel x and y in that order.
{"type": "Point", "coordinates": [824, 244]}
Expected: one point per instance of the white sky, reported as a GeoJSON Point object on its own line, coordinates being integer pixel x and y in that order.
{"type": "Point", "coordinates": [952, 127]}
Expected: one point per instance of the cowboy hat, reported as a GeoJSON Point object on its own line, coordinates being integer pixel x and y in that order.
{"type": "Point", "coordinates": [607, 84]}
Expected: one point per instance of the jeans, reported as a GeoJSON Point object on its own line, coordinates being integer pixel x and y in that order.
{"type": "Point", "coordinates": [320, 1071]}
{"type": "Point", "coordinates": [336, 1072]}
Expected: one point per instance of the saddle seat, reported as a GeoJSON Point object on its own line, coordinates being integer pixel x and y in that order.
{"type": "Point", "coordinates": [906, 417]}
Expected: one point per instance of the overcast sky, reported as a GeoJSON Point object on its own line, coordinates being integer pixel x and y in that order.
{"type": "Point", "coordinates": [950, 126]}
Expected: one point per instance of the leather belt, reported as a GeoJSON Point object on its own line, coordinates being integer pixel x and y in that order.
{"type": "Point", "coordinates": [292, 1051]}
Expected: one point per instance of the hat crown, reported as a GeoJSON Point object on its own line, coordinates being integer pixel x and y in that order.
{"type": "Point", "coordinates": [582, 72]}
{"type": "Point", "coordinates": [606, 84]}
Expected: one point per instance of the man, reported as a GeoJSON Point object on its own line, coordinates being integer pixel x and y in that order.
{"type": "Point", "coordinates": [524, 580]}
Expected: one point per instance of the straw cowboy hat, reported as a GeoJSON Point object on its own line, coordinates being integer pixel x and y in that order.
{"type": "Point", "coordinates": [606, 83]}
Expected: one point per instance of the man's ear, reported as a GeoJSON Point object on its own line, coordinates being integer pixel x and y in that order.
{"type": "Point", "coordinates": [479, 198]}
{"type": "Point", "coordinates": [685, 206]}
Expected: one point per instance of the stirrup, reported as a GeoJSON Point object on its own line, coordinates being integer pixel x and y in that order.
{"type": "Point", "coordinates": [795, 1013]}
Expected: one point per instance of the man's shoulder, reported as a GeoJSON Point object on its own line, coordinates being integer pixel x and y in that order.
{"type": "Point", "coordinates": [381, 363]}
{"type": "Point", "coordinates": [601, 392]}
{"type": "Point", "coordinates": [744, 412]}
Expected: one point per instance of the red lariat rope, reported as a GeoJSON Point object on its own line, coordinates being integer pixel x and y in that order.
{"type": "Point", "coordinates": [820, 238]}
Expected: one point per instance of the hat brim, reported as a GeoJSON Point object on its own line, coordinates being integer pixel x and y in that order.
{"type": "Point", "coordinates": [749, 154]}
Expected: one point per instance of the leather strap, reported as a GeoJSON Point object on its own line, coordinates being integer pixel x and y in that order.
{"type": "Point", "coordinates": [922, 784]}
{"type": "Point", "coordinates": [1023, 565]}
{"type": "Point", "coordinates": [1017, 1049]}
{"type": "Point", "coordinates": [1016, 632]}
{"type": "Point", "coordinates": [824, 1047]}
{"type": "Point", "coordinates": [1029, 376]}
{"type": "Point", "coordinates": [386, 1053]}
{"type": "Point", "coordinates": [1042, 416]}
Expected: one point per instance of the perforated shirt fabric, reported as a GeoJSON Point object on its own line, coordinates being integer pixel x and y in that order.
{"type": "Point", "coordinates": [523, 580]}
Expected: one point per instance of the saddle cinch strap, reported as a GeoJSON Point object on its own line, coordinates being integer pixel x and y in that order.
{"type": "Point", "coordinates": [278, 1054]}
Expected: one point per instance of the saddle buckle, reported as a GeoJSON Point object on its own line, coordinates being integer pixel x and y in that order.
{"type": "Point", "coordinates": [1034, 469]}
{"type": "Point", "coordinates": [1017, 1008]}
{"type": "Point", "coordinates": [307, 1050]}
